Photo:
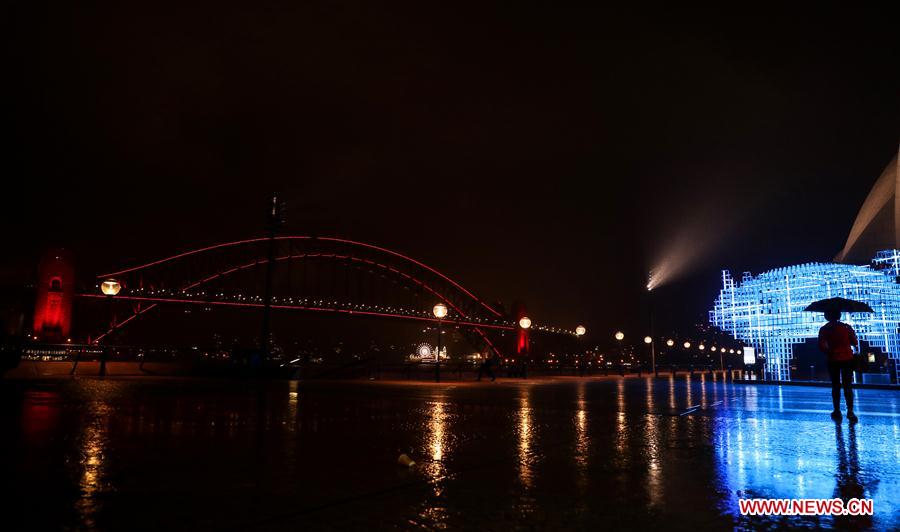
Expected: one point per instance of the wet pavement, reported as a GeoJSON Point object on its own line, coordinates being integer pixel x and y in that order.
{"type": "Point", "coordinates": [595, 453]}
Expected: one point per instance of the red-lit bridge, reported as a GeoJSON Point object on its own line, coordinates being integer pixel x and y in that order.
{"type": "Point", "coordinates": [314, 274]}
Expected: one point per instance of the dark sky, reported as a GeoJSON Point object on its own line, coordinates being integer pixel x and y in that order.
{"type": "Point", "coordinates": [552, 155]}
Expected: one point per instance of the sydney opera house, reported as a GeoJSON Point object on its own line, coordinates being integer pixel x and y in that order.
{"type": "Point", "coordinates": [765, 311]}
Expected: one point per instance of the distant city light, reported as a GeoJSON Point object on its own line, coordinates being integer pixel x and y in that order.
{"type": "Point", "coordinates": [424, 351]}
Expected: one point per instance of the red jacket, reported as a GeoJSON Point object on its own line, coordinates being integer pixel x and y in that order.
{"type": "Point", "coordinates": [836, 339]}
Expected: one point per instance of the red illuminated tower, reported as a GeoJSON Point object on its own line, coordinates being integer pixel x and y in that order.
{"type": "Point", "coordinates": [53, 308]}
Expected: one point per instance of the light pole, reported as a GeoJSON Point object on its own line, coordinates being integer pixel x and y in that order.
{"type": "Point", "coordinates": [579, 332]}
{"type": "Point", "coordinates": [650, 286]}
{"type": "Point", "coordinates": [619, 336]}
{"type": "Point", "coordinates": [274, 221]}
{"type": "Point", "coordinates": [440, 312]}
{"type": "Point", "coordinates": [524, 324]}
{"type": "Point", "coordinates": [649, 341]}
{"type": "Point", "coordinates": [110, 289]}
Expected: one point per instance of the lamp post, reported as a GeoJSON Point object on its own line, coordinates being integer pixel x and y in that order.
{"type": "Point", "coordinates": [110, 289]}
{"type": "Point", "coordinates": [649, 341]}
{"type": "Point", "coordinates": [579, 332]}
{"type": "Point", "coordinates": [524, 324]}
{"type": "Point", "coordinates": [619, 336]}
{"type": "Point", "coordinates": [274, 221]}
{"type": "Point", "coordinates": [440, 312]}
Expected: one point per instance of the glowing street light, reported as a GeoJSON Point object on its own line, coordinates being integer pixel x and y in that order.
{"type": "Point", "coordinates": [440, 312]}
{"type": "Point", "coordinates": [670, 342]}
{"type": "Point", "coordinates": [110, 287]}
{"type": "Point", "coordinates": [687, 345]}
{"type": "Point", "coordinates": [701, 347]}
{"type": "Point", "coordinates": [620, 336]}
{"type": "Point", "coordinates": [713, 348]}
{"type": "Point", "coordinates": [579, 332]}
{"type": "Point", "coordinates": [525, 322]}
{"type": "Point", "coordinates": [648, 340]}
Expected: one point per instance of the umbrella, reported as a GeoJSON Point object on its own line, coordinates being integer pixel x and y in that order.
{"type": "Point", "coordinates": [838, 304]}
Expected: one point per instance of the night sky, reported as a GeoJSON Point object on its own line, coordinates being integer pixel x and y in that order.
{"type": "Point", "coordinates": [553, 156]}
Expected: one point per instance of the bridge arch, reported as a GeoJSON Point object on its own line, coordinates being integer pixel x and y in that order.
{"type": "Point", "coordinates": [184, 277]}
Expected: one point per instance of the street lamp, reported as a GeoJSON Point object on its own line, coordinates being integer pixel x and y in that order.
{"type": "Point", "coordinates": [440, 312]}
{"type": "Point", "coordinates": [619, 337]}
{"type": "Point", "coordinates": [687, 345]}
{"type": "Point", "coordinates": [110, 289]}
{"type": "Point", "coordinates": [579, 332]}
{"type": "Point", "coordinates": [525, 322]}
{"type": "Point", "coordinates": [649, 341]}
{"type": "Point", "coordinates": [670, 342]}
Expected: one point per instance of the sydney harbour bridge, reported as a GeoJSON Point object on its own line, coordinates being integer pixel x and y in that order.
{"type": "Point", "coordinates": [279, 273]}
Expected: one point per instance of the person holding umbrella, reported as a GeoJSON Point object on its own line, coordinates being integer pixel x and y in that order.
{"type": "Point", "coordinates": [837, 340]}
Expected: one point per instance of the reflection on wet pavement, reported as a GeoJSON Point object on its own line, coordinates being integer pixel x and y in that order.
{"type": "Point", "coordinates": [608, 453]}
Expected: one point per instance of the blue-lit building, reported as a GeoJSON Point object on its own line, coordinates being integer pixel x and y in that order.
{"type": "Point", "coordinates": [766, 311]}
